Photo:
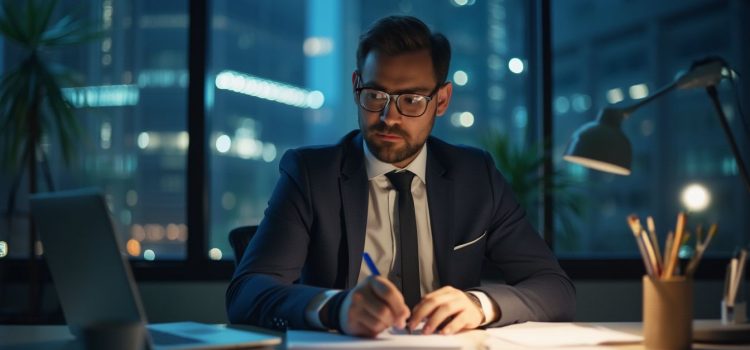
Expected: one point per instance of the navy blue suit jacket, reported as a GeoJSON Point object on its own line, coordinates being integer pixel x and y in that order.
{"type": "Point", "coordinates": [313, 234]}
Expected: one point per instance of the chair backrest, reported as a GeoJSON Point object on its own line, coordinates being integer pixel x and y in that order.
{"type": "Point", "coordinates": [239, 238]}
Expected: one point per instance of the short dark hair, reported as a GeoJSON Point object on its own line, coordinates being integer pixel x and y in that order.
{"type": "Point", "coordinates": [395, 35]}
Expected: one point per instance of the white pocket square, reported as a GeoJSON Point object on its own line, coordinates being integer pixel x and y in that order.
{"type": "Point", "coordinates": [470, 243]}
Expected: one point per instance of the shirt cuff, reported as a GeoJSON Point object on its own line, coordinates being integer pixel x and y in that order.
{"type": "Point", "coordinates": [488, 307]}
{"type": "Point", "coordinates": [312, 312]}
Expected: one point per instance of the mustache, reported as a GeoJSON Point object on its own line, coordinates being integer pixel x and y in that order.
{"type": "Point", "coordinates": [385, 129]}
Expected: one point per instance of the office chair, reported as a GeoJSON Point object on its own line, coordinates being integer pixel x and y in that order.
{"type": "Point", "coordinates": [239, 238]}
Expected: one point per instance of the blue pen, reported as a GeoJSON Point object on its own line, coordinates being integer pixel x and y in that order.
{"type": "Point", "coordinates": [370, 264]}
{"type": "Point", "coordinates": [374, 271]}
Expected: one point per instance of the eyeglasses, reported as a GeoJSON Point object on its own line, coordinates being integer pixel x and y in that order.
{"type": "Point", "coordinates": [409, 105]}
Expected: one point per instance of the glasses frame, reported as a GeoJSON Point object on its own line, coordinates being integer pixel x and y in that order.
{"type": "Point", "coordinates": [394, 97]}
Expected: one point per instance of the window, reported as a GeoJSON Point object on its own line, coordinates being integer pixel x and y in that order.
{"type": "Point", "coordinates": [131, 105]}
{"type": "Point", "coordinates": [608, 52]}
{"type": "Point", "coordinates": [305, 59]}
{"type": "Point", "coordinates": [278, 77]}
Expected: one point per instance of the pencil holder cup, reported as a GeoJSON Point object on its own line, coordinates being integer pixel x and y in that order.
{"type": "Point", "coordinates": [667, 313]}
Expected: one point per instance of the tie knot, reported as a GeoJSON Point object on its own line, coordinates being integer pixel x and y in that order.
{"type": "Point", "coordinates": [401, 180]}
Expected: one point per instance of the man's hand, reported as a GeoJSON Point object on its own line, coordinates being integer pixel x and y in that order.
{"type": "Point", "coordinates": [373, 306]}
{"type": "Point", "coordinates": [448, 306]}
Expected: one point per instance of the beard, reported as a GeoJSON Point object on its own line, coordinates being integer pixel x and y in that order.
{"type": "Point", "coordinates": [390, 152]}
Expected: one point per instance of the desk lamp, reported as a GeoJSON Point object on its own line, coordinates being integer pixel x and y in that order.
{"type": "Point", "coordinates": [602, 145]}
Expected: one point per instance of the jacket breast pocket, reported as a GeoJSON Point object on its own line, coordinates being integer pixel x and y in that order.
{"type": "Point", "coordinates": [470, 243]}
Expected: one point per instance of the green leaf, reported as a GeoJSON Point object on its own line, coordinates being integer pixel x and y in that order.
{"type": "Point", "coordinates": [12, 26]}
{"type": "Point", "coordinates": [31, 92]}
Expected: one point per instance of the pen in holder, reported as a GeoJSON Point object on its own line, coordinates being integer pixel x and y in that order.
{"type": "Point", "coordinates": [734, 305]}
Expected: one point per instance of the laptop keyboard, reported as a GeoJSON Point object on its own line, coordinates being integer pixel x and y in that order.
{"type": "Point", "coordinates": [165, 338]}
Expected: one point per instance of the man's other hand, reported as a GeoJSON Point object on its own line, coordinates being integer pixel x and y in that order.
{"type": "Point", "coordinates": [373, 306]}
{"type": "Point", "coordinates": [449, 307]}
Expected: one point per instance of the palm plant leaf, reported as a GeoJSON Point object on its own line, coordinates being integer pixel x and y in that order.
{"type": "Point", "coordinates": [522, 169]}
{"type": "Point", "coordinates": [68, 31]}
{"type": "Point", "coordinates": [37, 19]}
{"type": "Point", "coordinates": [31, 93]}
{"type": "Point", "coordinates": [10, 27]}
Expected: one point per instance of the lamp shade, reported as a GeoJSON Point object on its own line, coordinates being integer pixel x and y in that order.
{"type": "Point", "coordinates": [601, 145]}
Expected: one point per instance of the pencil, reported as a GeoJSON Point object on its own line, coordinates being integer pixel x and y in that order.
{"type": "Point", "coordinates": [700, 248]}
{"type": "Point", "coordinates": [667, 249]}
{"type": "Point", "coordinates": [738, 275]}
{"type": "Point", "coordinates": [635, 226]}
{"type": "Point", "coordinates": [655, 265]}
{"type": "Point", "coordinates": [732, 276]}
{"type": "Point", "coordinates": [644, 255]}
{"type": "Point", "coordinates": [675, 248]}
{"type": "Point", "coordinates": [654, 239]}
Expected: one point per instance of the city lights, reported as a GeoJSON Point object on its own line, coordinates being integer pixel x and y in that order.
{"type": "Point", "coordinates": [615, 95]}
{"type": "Point", "coordinates": [102, 96]}
{"type": "Point", "coordinates": [466, 119]}
{"type": "Point", "coordinates": [223, 143]}
{"type": "Point", "coordinates": [173, 232]}
{"type": "Point", "coordinates": [638, 91]}
{"type": "Point", "coordinates": [461, 3]}
{"type": "Point", "coordinates": [269, 90]}
{"type": "Point", "coordinates": [580, 102]}
{"type": "Point", "coordinates": [460, 78]}
{"type": "Point", "coordinates": [183, 140]}
{"type": "Point", "coordinates": [462, 119]}
{"type": "Point", "coordinates": [317, 46]}
{"type": "Point", "coordinates": [269, 152]}
{"type": "Point", "coordinates": [515, 65]}
{"type": "Point", "coordinates": [214, 254]}
{"type": "Point", "coordinates": [143, 140]}
{"type": "Point", "coordinates": [105, 135]}
{"type": "Point", "coordinates": [133, 247]}
{"type": "Point", "coordinates": [149, 255]}
{"type": "Point", "coordinates": [562, 105]}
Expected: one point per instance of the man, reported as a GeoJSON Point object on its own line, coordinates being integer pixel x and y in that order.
{"type": "Point", "coordinates": [429, 213]}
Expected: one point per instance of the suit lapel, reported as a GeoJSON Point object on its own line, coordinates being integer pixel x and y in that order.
{"type": "Point", "coordinates": [440, 200]}
{"type": "Point", "coordinates": [354, 196]}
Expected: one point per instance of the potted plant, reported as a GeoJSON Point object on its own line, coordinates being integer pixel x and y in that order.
{"type": "Point", "coordinates": [32, 104]}
{"type": "Point", "coordinates": [522, 169]}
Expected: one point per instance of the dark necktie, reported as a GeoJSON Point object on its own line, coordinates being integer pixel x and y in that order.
{"type": "Point", "coordinates": [409, 249]}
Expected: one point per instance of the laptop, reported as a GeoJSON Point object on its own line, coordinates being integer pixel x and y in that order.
{"type": "Point", "coordinates": [94, 282]}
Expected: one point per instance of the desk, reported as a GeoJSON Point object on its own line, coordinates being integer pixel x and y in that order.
{"type": "Point", "coordinates": [58, 338]}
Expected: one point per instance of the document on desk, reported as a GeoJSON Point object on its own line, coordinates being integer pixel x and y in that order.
{"type": "Point", "coordinates": [386, 340]}
{"type": "Point", "coordinates": [557, 334]}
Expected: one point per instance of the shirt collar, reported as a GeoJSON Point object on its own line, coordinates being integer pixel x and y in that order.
{"type": "Point", "coordinates": [376, 167]}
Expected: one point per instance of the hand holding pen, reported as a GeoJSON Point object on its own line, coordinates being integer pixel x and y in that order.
{"type": "Point", "coordinates": [373, 306]}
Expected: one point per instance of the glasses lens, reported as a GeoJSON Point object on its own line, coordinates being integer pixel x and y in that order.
{"type": "Point", "coordinates": [412, 105]}
{"type": "Point", "coordinates": [372, 100]}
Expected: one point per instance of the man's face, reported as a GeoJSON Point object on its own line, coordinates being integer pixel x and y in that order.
{"type": "Point", "coordinates": [390, 136]}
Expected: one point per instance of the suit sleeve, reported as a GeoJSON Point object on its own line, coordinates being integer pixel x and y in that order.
{"type": "Point", "coordinates": [262, 291]}
{"type": "Point", "coordinates": [536, 288]}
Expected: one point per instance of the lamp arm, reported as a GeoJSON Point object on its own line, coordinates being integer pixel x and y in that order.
{"type": "Point", "coordinates": [626, 111]}
{"type": "Point", "coordinates": [703, 73]}
{"type": "Point", "coordinates": [711, 90]}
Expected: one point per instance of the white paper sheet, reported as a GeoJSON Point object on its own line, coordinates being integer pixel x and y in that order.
{"type": "Point", "coordinates": [552, 334]}
{"type": "Point", "coordinates": [386, 340]}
